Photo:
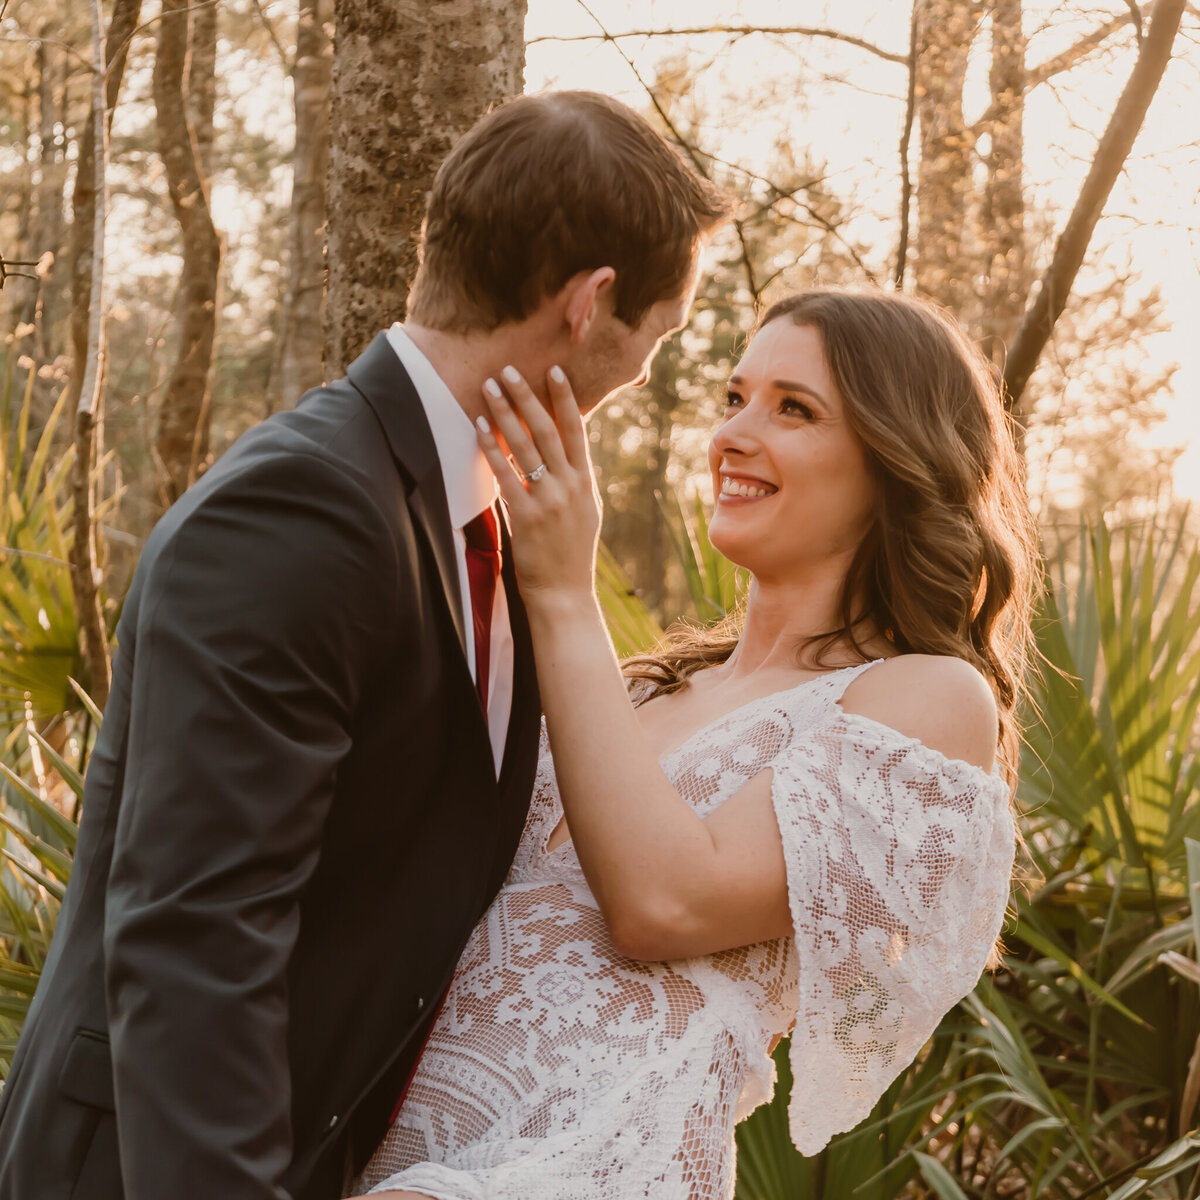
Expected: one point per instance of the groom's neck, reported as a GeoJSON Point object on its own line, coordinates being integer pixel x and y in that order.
{"type": "Point", "coordinates": [465, 361]}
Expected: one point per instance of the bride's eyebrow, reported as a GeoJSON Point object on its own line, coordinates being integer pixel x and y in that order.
{"type": "Point", "coordinates": [784, 385]}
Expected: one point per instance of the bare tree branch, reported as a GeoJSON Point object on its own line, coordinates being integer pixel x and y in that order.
{"type": "Point", "coordinates": [688, 148]}
{"type": "Point", "coordinates": [910, 112]}
{"type": "Point", "coordinates": [73, 52]}
{"type": "Point", "coordinates": [782, 193]}
{"type": "Point", "coordinates": [6, 273]}
{"type": "Point", "coordinates": [1071, 57]}
{"type": "Point", "coordinates": [1135, 14]}
{"type": "Point", "coordinates": [288, 65]}
{"type": "Point", "coordinates": [1111, 153]}
{"type": "Point", "coordinates": [736, 30]}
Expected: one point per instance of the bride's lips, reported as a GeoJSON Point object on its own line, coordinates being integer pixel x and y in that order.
{"type": "Point", "coordinates": [743, 488]}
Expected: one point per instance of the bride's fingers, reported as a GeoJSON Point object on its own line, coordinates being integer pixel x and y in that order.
{"type": "Point", "coordinates": [568, 419]}
{"type": "Point", "coordinates": [537, 421]}
{"type": "Point", "coordinates": [523, 453]}
{"type": "Point", "coordinates": [512, 489]}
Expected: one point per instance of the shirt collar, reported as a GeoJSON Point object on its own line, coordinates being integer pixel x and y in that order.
{"type": "Point", "coordinates": [470, 484]}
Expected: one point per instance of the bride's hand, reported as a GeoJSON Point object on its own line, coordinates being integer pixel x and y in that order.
{"type": "Point", "coordinates": [547, 483]}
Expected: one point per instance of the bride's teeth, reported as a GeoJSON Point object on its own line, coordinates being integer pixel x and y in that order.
{"type": "Point", "coordinates": [733, 487]}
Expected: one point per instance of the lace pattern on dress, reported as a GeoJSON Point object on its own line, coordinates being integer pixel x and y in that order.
{"type": "Point", "coordinates": [898, 864]}
{"type": "Point", "coordinates": [560, 1069]}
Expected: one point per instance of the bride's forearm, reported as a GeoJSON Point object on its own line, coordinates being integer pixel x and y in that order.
{"type": "Point", "coordinates": [644, 851]}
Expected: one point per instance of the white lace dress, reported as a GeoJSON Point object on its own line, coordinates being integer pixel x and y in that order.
{"type": "Point", "coordinates": [560, 1070]}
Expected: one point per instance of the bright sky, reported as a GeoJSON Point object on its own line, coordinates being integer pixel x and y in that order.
{"type": "Point", "coordinates": [847, 106]}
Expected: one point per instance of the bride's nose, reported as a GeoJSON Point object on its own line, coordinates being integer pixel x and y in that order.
{"type": "Point", "coordinates": [735, 435]}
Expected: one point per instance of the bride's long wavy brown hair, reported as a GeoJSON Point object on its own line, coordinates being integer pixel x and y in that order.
{"type": "Point", "coordinates": [947, 566]}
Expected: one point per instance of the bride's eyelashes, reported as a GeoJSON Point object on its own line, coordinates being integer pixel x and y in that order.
{"type": "Point", "coordinates": [792, 407]}
{"type": "Point", "coordinates": [789, 406]}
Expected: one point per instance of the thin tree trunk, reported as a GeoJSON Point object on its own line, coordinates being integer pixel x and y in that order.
{"type": "Point", "coordinates": [945, 31]}
{"type": "Point", "coordinates": [125, 16]}
{"type": "Point", "coordinates": [185, 413]}
{"type": "Point", "coordinates": [301, 340]}
{"type": "Point", "coordinates": [12, 300]}
{"type": "Point", "coordinates": [49, 224]}
{"type": "Point", "coordinates": [409, 78]}
{"type": "Point", "coordinates": [1003, 213]}
{"type": "Point", "coordinates": [1111, 153]}
{"type": "Point", "coordinates": [201, 85]}
{"type": "Point", "coordinates": [88, 412]}
{"type": "Point", "coordinates": [910, 113]}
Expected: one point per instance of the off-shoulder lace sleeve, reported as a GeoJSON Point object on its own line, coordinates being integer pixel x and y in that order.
{"type": "Point", "coordinates": [898, 866]}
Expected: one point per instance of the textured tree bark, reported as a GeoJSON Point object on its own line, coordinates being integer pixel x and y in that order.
{"type": "Point", "coordinates": [302, 337]}
{"type": "Point", "coordinates": [184, 414]}
{"type": "Point", "coordinates": [945, 31]}
{"type": "Point", "coordinates": [1115, 144]}
{"type": "Point", "coordinates": [1002, 216]}
{"type": "Point", "coordinates": [409, 78]}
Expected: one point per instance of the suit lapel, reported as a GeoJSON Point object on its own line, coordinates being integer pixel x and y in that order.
{"type": "Point", "coordinates": [378, 374]}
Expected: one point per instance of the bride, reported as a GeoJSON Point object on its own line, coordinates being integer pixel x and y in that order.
{"type": "Point", "coordinates": [800, 823]}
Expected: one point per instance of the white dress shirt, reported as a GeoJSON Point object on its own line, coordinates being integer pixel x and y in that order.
{"type": "Point", "coordinates": [470, 488]}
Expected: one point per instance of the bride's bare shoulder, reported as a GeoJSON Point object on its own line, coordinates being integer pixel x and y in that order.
{"type": "Point", "coordinates": [941, 701]}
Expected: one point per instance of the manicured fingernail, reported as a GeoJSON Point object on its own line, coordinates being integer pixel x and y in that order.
{"type": "Point", "coordinates": [481, 423]}
{"type": "Point", "coordinates": [511, 374]}
{"type": "Point", "coordinates": [492, 388]}
{"type": "Point", "coordinates": [556, 373]}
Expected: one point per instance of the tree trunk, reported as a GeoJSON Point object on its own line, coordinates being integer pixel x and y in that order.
{"type": "Point", "coordinates": [20, 184]}
{"type": "Point", "coordinates": [1111, 153]}
{"type": "Point", "coordinates": [40, 308]}
{"type": "Point", "coordinates": [125, 17]}
{"type": "Point", "coordinates": [202, 86]}
{"type": "Point", "coordinates": [945, 31]}
{"type": "Point", "coordinates": [409, 78]}
{"type": "Point", "coordinates": [301, 341]}
{"type": "Point", "coordinates": [1002, 216]}
{"type": "Point", "coordinates": [86, 385]}
{"type": "Point", "coordinates": [185, 413]}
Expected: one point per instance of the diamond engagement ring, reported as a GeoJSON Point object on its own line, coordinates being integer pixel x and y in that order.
{"type": "Point", "coordinates": [536, 473]}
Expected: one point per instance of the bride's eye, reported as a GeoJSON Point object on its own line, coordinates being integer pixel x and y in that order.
{"type": "Point", "coordinates": [733, 400]}
{"type": "Point", "coordinates": [792, 407]}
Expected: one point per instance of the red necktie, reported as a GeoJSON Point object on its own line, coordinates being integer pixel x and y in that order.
{"type": "Point", "coordinates": [483, 569]}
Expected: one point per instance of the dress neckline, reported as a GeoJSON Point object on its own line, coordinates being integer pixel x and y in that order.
{"type": "Point", "coordinates": [858, 668]}
{"type": "Point", "coordinates": [663, 759]}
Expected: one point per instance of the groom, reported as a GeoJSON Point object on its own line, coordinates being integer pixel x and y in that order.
{"type": "Point", "coordinates": [321, 739]}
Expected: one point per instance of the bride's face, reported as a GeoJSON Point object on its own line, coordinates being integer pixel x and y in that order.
{"type": "Point", "coordinates": [791, 478]}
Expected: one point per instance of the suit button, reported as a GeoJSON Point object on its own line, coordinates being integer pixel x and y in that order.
{"type": "Point", "coordinates": [420, 1003]}
{"type": "Point", "coordinates": [332, 1124]}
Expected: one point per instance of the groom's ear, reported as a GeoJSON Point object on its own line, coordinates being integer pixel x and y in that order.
{"type": "Point", "coordinates": [586, 292]}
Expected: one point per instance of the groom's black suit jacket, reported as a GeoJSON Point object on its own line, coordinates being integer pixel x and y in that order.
{"type": "Point", "coordinates": [290, 826]}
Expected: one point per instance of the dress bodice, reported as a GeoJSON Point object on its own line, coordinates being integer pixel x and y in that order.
{"type": "Point", "coordinates": [560, 1068]}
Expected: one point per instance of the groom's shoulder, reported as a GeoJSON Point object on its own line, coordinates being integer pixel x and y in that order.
{"type": "Point", "coordinates": [327, 454]}
{"type": "Point", "coordinates": [331, 433]}
{"type": "Point", "coordinates": [331, 422]}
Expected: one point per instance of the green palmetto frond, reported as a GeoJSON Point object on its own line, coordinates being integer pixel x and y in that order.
{"type": "Point", "coordinates": [39, 649]}
{"type": "Point", "coordinates": [716, 586]}
{"type": "Point", "coordinates": [37, 847]}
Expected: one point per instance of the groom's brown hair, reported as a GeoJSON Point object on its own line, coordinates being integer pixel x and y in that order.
{"type": "Point", "coordinates": [544, 187]}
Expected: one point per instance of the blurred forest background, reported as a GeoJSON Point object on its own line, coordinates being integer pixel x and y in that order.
{"type": "Point", "coordinates": [210, 207]}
